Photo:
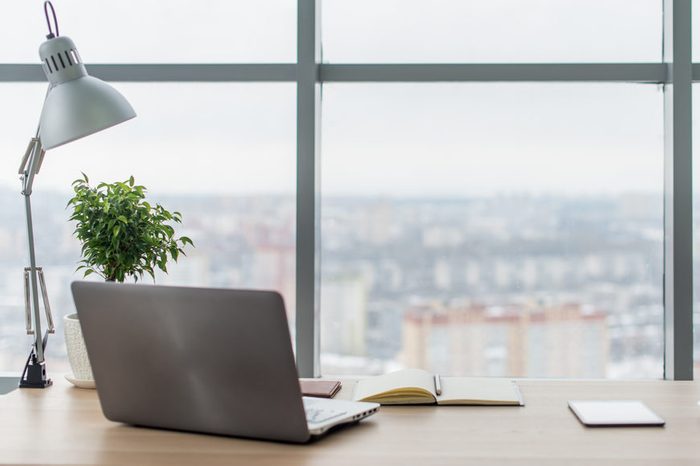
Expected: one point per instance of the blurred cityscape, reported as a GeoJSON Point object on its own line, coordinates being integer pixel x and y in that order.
{"type": "Point", "coordinates": [540, 286]}
{"type": "Point", "coordinates": [240, 242]}
{"type": "Point", "coordinates": [536, 286]}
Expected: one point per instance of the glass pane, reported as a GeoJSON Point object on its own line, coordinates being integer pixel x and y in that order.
{"type": "Point", "coordinates": [493, 229]}
{"type": "Point", "coordinates": [365, 31]}
{"type": "Point", "coordinates": [695, 24]}
{"type": "Point", "coordinates": [222, 154]}
{"type": "Point", "coordinates": [177, 31]}
{"type": "Point", "coordinates": [696, 229]}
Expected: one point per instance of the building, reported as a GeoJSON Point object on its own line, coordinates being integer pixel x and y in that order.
{"type": "Point", "coordinates": [344, 323]}
{"type": "Point", "coordinates": [563, 341]}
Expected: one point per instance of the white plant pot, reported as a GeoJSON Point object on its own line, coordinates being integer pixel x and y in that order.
{"type": "Point", "coordinates": [77, 353]}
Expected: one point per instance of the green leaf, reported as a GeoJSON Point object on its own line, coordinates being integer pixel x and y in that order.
{"type": "Point", "coordinates": [121, 234]}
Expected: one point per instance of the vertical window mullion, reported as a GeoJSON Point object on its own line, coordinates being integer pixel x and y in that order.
{"type": "Point", "coordinates": [308, 187]}
{"type": "Point", "coordinates": [678, 202]}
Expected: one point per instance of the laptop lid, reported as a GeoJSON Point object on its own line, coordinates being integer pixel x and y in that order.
{"type": "Point", "coordinates": [207, 360]}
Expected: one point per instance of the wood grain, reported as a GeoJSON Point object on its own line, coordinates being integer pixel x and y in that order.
{"type": "Point", "coordinates": [65, 425]}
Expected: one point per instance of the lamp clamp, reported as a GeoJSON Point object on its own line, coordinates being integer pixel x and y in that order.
{"type": "Point", "coordinates": [34, 374]}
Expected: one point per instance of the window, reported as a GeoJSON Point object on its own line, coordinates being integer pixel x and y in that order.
{"type": "Point", "coordinates": [696, 232]}
{"type": "Point", "coordinates": [496, 165]}
{"type": "Point", "coordinates": [493, 229]}
{"type": "Point", "coordinates": [442, 31]}
{"type": "Point", "coordinates": [153, 31]}
{"type": "Point", "coordinates": [220, 153]}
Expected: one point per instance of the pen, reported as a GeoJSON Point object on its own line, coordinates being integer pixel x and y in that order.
{"type": "Point", "coordinates": [438, 387]}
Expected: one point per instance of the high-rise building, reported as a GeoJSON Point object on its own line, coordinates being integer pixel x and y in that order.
{"type": "Point", "coordinates": [344, 321]}
{"type": "Point", "coordinates": [273, 268]}
{"type": "Point", "coordinates": [529, 340]}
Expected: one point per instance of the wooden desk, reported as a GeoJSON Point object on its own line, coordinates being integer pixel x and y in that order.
{"type": "Point", "coordinates": [65, 425]}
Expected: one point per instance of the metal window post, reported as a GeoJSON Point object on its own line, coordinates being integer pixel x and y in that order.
{"type": "Point", "coordinates": [678, 195]}
{"type": "Point", "coordinates": [308, 187]}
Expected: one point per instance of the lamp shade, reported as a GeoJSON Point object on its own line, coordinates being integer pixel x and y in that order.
{"type": "Point", "coordinates": [81, 107]}
{"type": "Point", "coordinates": [77, 104]}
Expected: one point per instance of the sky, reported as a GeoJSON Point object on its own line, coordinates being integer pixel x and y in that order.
{"type": "Point", "coordinates": [457, 139]}
{"type": "Point", "coordinates": [353, 30]}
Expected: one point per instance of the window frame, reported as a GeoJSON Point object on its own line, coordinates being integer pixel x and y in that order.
{"type": "Point", "coordinates": [675, 74]}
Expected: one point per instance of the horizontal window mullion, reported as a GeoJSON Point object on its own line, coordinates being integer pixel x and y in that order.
{"type": "Point", "coordinates": [475, 72]}
{"type": "Point", "coordinates": [286, 72]}
{"type": "Point", "coordinates": [696, 72]}
{"type": "Point", "coordinates": [256, 72]}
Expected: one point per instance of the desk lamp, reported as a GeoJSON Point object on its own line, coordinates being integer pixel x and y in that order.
{"type": "Point", "coordinates": [76, 105]}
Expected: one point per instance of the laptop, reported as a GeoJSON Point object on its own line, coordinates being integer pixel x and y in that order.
{"type": "Point", "coordinates": [216, 361]}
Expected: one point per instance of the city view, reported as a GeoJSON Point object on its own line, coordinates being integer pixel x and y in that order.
{"type": "Point", "coordinates": [517, 285]}
{"type": "Point", "coordinates": [513, 285]}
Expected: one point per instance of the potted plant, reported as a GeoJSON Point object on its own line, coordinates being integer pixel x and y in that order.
{"type": "Point", "coordinates": [122, 236]}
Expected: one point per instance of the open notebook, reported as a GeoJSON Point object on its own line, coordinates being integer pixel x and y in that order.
{"type": "Point", "coordinates": [415, 386]}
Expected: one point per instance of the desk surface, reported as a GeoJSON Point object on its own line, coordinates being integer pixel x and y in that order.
{"type": "Point", "coordinates": [65, 425]}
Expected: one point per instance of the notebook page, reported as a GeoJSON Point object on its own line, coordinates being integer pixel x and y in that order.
{"type": "Point", "coordinates": [479, 390]}
{"type": "Point", "coordinates": [403, 379]}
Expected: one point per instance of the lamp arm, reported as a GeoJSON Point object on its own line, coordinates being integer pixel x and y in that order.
{"type": "Point", "coordinates": [31, 162]}
{"type": "Point", "coordinates": [34, 374]}
{"type": "Point", "coordinates": [33, 158]}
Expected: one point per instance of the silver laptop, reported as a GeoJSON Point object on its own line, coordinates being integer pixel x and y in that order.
{"type": "Point", "coordinates": [216, 361]}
